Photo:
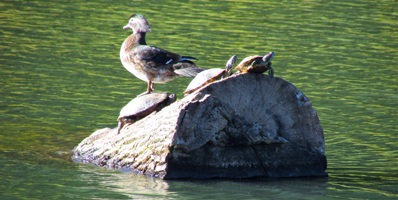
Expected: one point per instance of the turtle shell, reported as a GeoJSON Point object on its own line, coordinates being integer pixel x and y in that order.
{"type": "Point", "coordinates": [246, 62]}
{"type": "Point", "coordinates": [204, 78]}
{"type": "Point", "coordinates": [255, 64]}
{"type": "Point", "coordinates": [144, 105]}
{"type": "Point", "coordinates": [210, 75]}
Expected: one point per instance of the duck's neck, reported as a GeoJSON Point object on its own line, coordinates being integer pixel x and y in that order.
{"type": "Point", "coordinates": [134, 40]}
{"type": "Point", "coordinates": [140, 38]}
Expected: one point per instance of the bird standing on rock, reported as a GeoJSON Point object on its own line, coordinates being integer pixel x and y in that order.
{"type": "Point", "coordinates": [149, 63]}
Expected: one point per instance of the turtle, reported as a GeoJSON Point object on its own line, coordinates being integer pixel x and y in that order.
{"type": "Point", "coordinates": [257, 64]}
{"type": "Point", "coordinates": [142, 106]}
{"type": "Point", "coordinates": [211, 75]}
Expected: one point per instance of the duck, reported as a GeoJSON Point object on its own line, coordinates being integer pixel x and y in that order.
{"type": "Point", "coordinates": [149, 63]}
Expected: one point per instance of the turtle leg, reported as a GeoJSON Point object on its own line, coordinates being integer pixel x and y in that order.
{"type": "Point", "coordinates": [120, 126]}
{"type": "Point", "coordinates": [252, 63]}
{"type": "Point", "coordinates": [131, 120]}
{"type": "Point", "coordinates": [250, 67]}
{"type": "Point", "coordinates": [126, 122]}
{"type": "Point", "coordinates": [271, 72]}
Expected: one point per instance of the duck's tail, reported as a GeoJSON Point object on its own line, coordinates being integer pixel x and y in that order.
{"type": "Point", "coordinates": [187, 58]}
{"type": "Point", "coordinates": [187, 69]}
{"type": "Point", "coordinates": [183, 58]}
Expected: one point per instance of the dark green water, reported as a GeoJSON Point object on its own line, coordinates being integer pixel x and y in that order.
{"type": "Point", "coordinates": [61, 79]}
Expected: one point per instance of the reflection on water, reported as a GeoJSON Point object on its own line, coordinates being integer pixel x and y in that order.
{"type": "Point", "coordinates": [132, 185]}
{"type": "Point", "coordinates": [61, 79]}
{"type": "Point", "coordinates": [86, 181]}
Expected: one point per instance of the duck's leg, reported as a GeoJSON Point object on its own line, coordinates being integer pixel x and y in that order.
{"type": "Point", "coordinates": [150, 87]}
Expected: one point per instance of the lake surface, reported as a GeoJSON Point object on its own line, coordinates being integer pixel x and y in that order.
{"type": "Point", "coordinates": [61, 79]}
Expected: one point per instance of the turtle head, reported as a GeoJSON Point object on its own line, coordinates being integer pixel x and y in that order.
{"type": "Point", "coordinates": [267, 58]}
{"type": "Point", "coordinates": [230, 64]}
{"type": "Point", "coordinates": [138, 24]}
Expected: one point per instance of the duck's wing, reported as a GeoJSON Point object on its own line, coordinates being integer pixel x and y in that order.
{"type": "Point", "coordinates": [158, 56]}
{"type": "Point", "coordinates": [155, 58]}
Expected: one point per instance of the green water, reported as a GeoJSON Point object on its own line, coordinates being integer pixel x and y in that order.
{"type": "Point", "coordinates": [61, 79]}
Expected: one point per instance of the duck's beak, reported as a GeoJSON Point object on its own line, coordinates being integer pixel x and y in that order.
{"type": "Point", "coordinates": [127, 26]}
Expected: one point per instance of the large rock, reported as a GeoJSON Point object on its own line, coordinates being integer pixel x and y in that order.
{"type": "Point", "coordinates": [243, 126]}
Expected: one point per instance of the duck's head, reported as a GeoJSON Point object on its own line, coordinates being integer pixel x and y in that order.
{"type": "Point", "coordinates": [138, 24]}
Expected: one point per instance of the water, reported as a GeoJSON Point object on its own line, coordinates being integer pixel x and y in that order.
{"type": "Point", "coordinates": [61, 79]}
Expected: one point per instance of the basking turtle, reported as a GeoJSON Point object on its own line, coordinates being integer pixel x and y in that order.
{"type": "Point", "coordinates": [211, 75]}
{"type": "Point", "coordinates": [142, 106]}
{"type": "Point", "coordinates": [257, 64]}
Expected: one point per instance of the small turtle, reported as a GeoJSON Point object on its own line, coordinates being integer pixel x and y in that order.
{"type": "Point", "coordinates": [211, 75]}
{"type": "Point", "coordinates": [257, 64]}
{"type": "Point", "coordinates": [142, 106]}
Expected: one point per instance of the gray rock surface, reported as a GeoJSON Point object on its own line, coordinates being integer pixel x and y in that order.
{"type": "Point", "coordinates": [243, 126]}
